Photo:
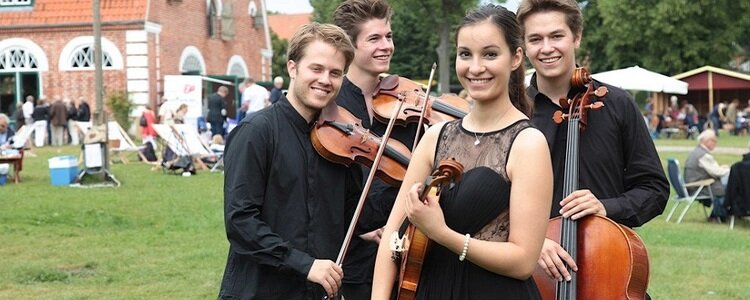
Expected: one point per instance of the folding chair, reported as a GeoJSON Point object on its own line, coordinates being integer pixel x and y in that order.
{"type": "Point", "coordinates": [680, 187]}
{"type": "Point", "coordinates": [219, 151]}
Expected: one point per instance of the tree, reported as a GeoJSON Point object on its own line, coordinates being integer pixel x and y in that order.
{"type": "Point", "coordinates": [323, 10]}
{"type": "Point", "coordinates": [278, 62]}
{"type": "Point", "coordinates": [667, 36]}
{"type": "Point", "coordinates": [414, 41]}
{"type": "Point", "coordinates": [443, 15]}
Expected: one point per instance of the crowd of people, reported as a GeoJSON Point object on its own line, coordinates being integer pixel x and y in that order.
{"type": "Point", "coordinates": [53, 121]}
{"type": "Point", "coordinates": [686, 118]}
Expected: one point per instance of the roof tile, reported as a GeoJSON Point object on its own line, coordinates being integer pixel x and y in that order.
{"type": "Point", "coordinates": [74, 11]}
{"type": "Point", "coordinates": [285, 26]}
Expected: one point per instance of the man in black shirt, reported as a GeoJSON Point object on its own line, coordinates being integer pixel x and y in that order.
{"type": "Point", "coordinates": [217, 110]}
{"type": "Point", "coordinates": [620, 174]}
{"type": "Point", "coordinates": [285, 206]}
{"type": "Point", "coordinates": [367, 22]}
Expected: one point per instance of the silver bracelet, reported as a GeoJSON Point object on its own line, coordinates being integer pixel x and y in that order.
{"type": "Point", "coordinates": [466, 247]}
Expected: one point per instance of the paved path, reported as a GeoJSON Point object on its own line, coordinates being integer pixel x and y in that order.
{"type": "Point", "coordinates": [721, 150]}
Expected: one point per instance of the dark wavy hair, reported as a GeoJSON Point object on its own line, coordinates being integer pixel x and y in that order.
{"type": "Point", "coordinates": [506, 22]}
{"type": "Point", "coordinates": [350, 15]}
{"type": "Point", "coordinates": [573, 15]}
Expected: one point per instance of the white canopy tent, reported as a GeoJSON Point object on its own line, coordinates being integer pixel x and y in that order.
{"type": "Point", "coordinates": [637, 78]}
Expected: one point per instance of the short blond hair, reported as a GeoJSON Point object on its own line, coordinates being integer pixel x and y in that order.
{"type": "Point", "coordinates": [327, 33]}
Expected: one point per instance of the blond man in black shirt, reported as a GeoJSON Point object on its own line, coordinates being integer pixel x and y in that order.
{"type": "Point", "coordinates": [286, 207]}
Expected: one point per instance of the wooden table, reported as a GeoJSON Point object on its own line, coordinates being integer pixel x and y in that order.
{"type": "Point", "coordinates": [16, 161]}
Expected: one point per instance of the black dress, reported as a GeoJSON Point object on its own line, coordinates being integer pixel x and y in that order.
{"type": "Point", "coordinates": [479, 205]}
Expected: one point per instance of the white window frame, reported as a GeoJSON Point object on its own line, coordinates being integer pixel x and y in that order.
{"type": "Point", "coordinates": [31, 49]}
{"type": "Point", "coordinates": [65, 62]}
{"type": "Point", "coordinates": [15, 3]}
{"type": "Point", "coordinates": [192, 51]}
{"type": "Point", "coordinates": [237, 60]}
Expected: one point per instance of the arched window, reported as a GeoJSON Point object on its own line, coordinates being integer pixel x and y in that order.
{"type": "Point", "coordinates": [191, 61]}
{"type": "Point", "coordinates": [191, 64]}
{"type": "Point", "coordinates": [17, 59]}
{"type": "Point", "coordinates": [237, 67]}
{"type": "Point", "coordinates": [20, 54]}
{"type": "Point", "coordinates": [83, 58]}
{"type": "Point", "coordinates": [78, 54]}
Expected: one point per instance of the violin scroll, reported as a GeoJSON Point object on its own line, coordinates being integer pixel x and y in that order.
{"type": "Point", "coordinates": [412, 248]}
{"type": "Point", "coordinates": [449, 171]}
{"type": "Point", "coordinates": [579, 106]}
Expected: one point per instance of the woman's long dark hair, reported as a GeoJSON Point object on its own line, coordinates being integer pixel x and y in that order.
{"type": "Point", "coordinates": [506, 22]}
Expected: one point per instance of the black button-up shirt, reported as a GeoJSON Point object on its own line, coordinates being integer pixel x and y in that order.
{"type": "Point", "coordinates": [284, 206]}
{"type": "Point", "coordinates": [618, 161]}
{"type": "Point", "coordinates": [360, 261]}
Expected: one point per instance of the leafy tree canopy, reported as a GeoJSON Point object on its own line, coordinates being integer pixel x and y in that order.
{"type": "Point", "coordinates": [667, 36]}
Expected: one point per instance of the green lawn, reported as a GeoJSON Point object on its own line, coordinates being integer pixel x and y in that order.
{"type": "Point", "coordinates": [156, 237]}
{"type": "Point", "coordinates": [725, 140]}
{"type": "Point", "coordinates": [161, 237]}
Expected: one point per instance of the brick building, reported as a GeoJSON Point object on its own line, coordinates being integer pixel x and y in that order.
{"type": "Point", "coordinates": [46, 46]}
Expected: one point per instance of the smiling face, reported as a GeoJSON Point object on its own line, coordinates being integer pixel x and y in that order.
{"type": "Point", "coordinates": [374, 47]}
{"type": "Point", "coordinates": [484, 61]}
{"type": "Point", "coordinates": [316, 78]}
{"type": "Point", "coordinates": [550, 45]}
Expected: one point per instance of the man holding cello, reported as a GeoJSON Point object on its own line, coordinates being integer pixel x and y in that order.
{"type": "Point", "coordinates": [368, 24]}
{"type": "Point", "coordinates": [286, 207]}
{"type": "Point", "coordinates": [620, 174]}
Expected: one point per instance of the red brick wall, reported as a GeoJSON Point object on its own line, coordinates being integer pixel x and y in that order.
{"type": "Point", "coordinates": [183, 24]}
{"type": "Point", "coordinates": [72, 84]}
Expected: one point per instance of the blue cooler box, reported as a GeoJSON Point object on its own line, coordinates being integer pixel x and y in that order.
{"type": "Point", "coordinates": [63, 169]}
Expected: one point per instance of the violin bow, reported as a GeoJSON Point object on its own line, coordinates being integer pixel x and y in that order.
{"type": "Point", "coordinates": [366, 189]}
{"type": "Point", "coordinates": [368, 183]}
{"type": "Point", "coordinates": [424, 107]}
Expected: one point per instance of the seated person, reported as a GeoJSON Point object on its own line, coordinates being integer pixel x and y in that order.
{"type": "Point", "coordinates": [701, 165]}
{"type": "Point", "coordinates": [217, 144]}
{"type": "Point", "coordinates": [179, 114]}
{"type": "Point", "coordinates": [6, 138]}
{"type": "Point", "coordinates": [6, 133]}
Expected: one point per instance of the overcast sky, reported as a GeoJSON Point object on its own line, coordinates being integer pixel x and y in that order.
{"type": "Point", "coordinates": [303, 6]}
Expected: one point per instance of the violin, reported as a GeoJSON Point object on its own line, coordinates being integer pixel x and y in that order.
{"type": "Point", "coordinates": [444, 108]}
{"type": "Point", "coordinates": [414, 244]}
{"type": "Point", "coordinates": [339, 137]}
{"type": "Point", "coordinates": [612, 259]}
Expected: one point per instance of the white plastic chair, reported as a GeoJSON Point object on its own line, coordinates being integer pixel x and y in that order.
{"type": "Point", "coordinates": [682, 195]}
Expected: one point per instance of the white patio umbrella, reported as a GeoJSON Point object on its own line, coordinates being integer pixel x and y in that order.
{"type": "Point", "coordinates": [637, 78]}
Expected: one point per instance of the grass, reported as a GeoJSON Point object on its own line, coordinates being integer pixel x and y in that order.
{"type": "Point", "coordinates": [156, 237]}
{"type": "Point", "coordinates": [725, 140]}
{"type": "Point", "coordinates": [162, 237]}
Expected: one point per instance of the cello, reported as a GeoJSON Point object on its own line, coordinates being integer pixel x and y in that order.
{"type": "Point", "coordinates": [412, 247]}
{"type": "Point", "coordinates": [612, 259]}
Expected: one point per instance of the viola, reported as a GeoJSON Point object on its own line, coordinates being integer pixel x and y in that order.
{"type": "Point", "coordinates": [444, 108]}
{"type": "Point", "coordinates": [339, 137]}
{"type": "Point", "coordinates": [612, 260]}
{"type": "Point", "coordinates": [414, 244]}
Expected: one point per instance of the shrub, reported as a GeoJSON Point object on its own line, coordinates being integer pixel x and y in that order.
{"type": "Point", "coordinates": [120, 106]}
